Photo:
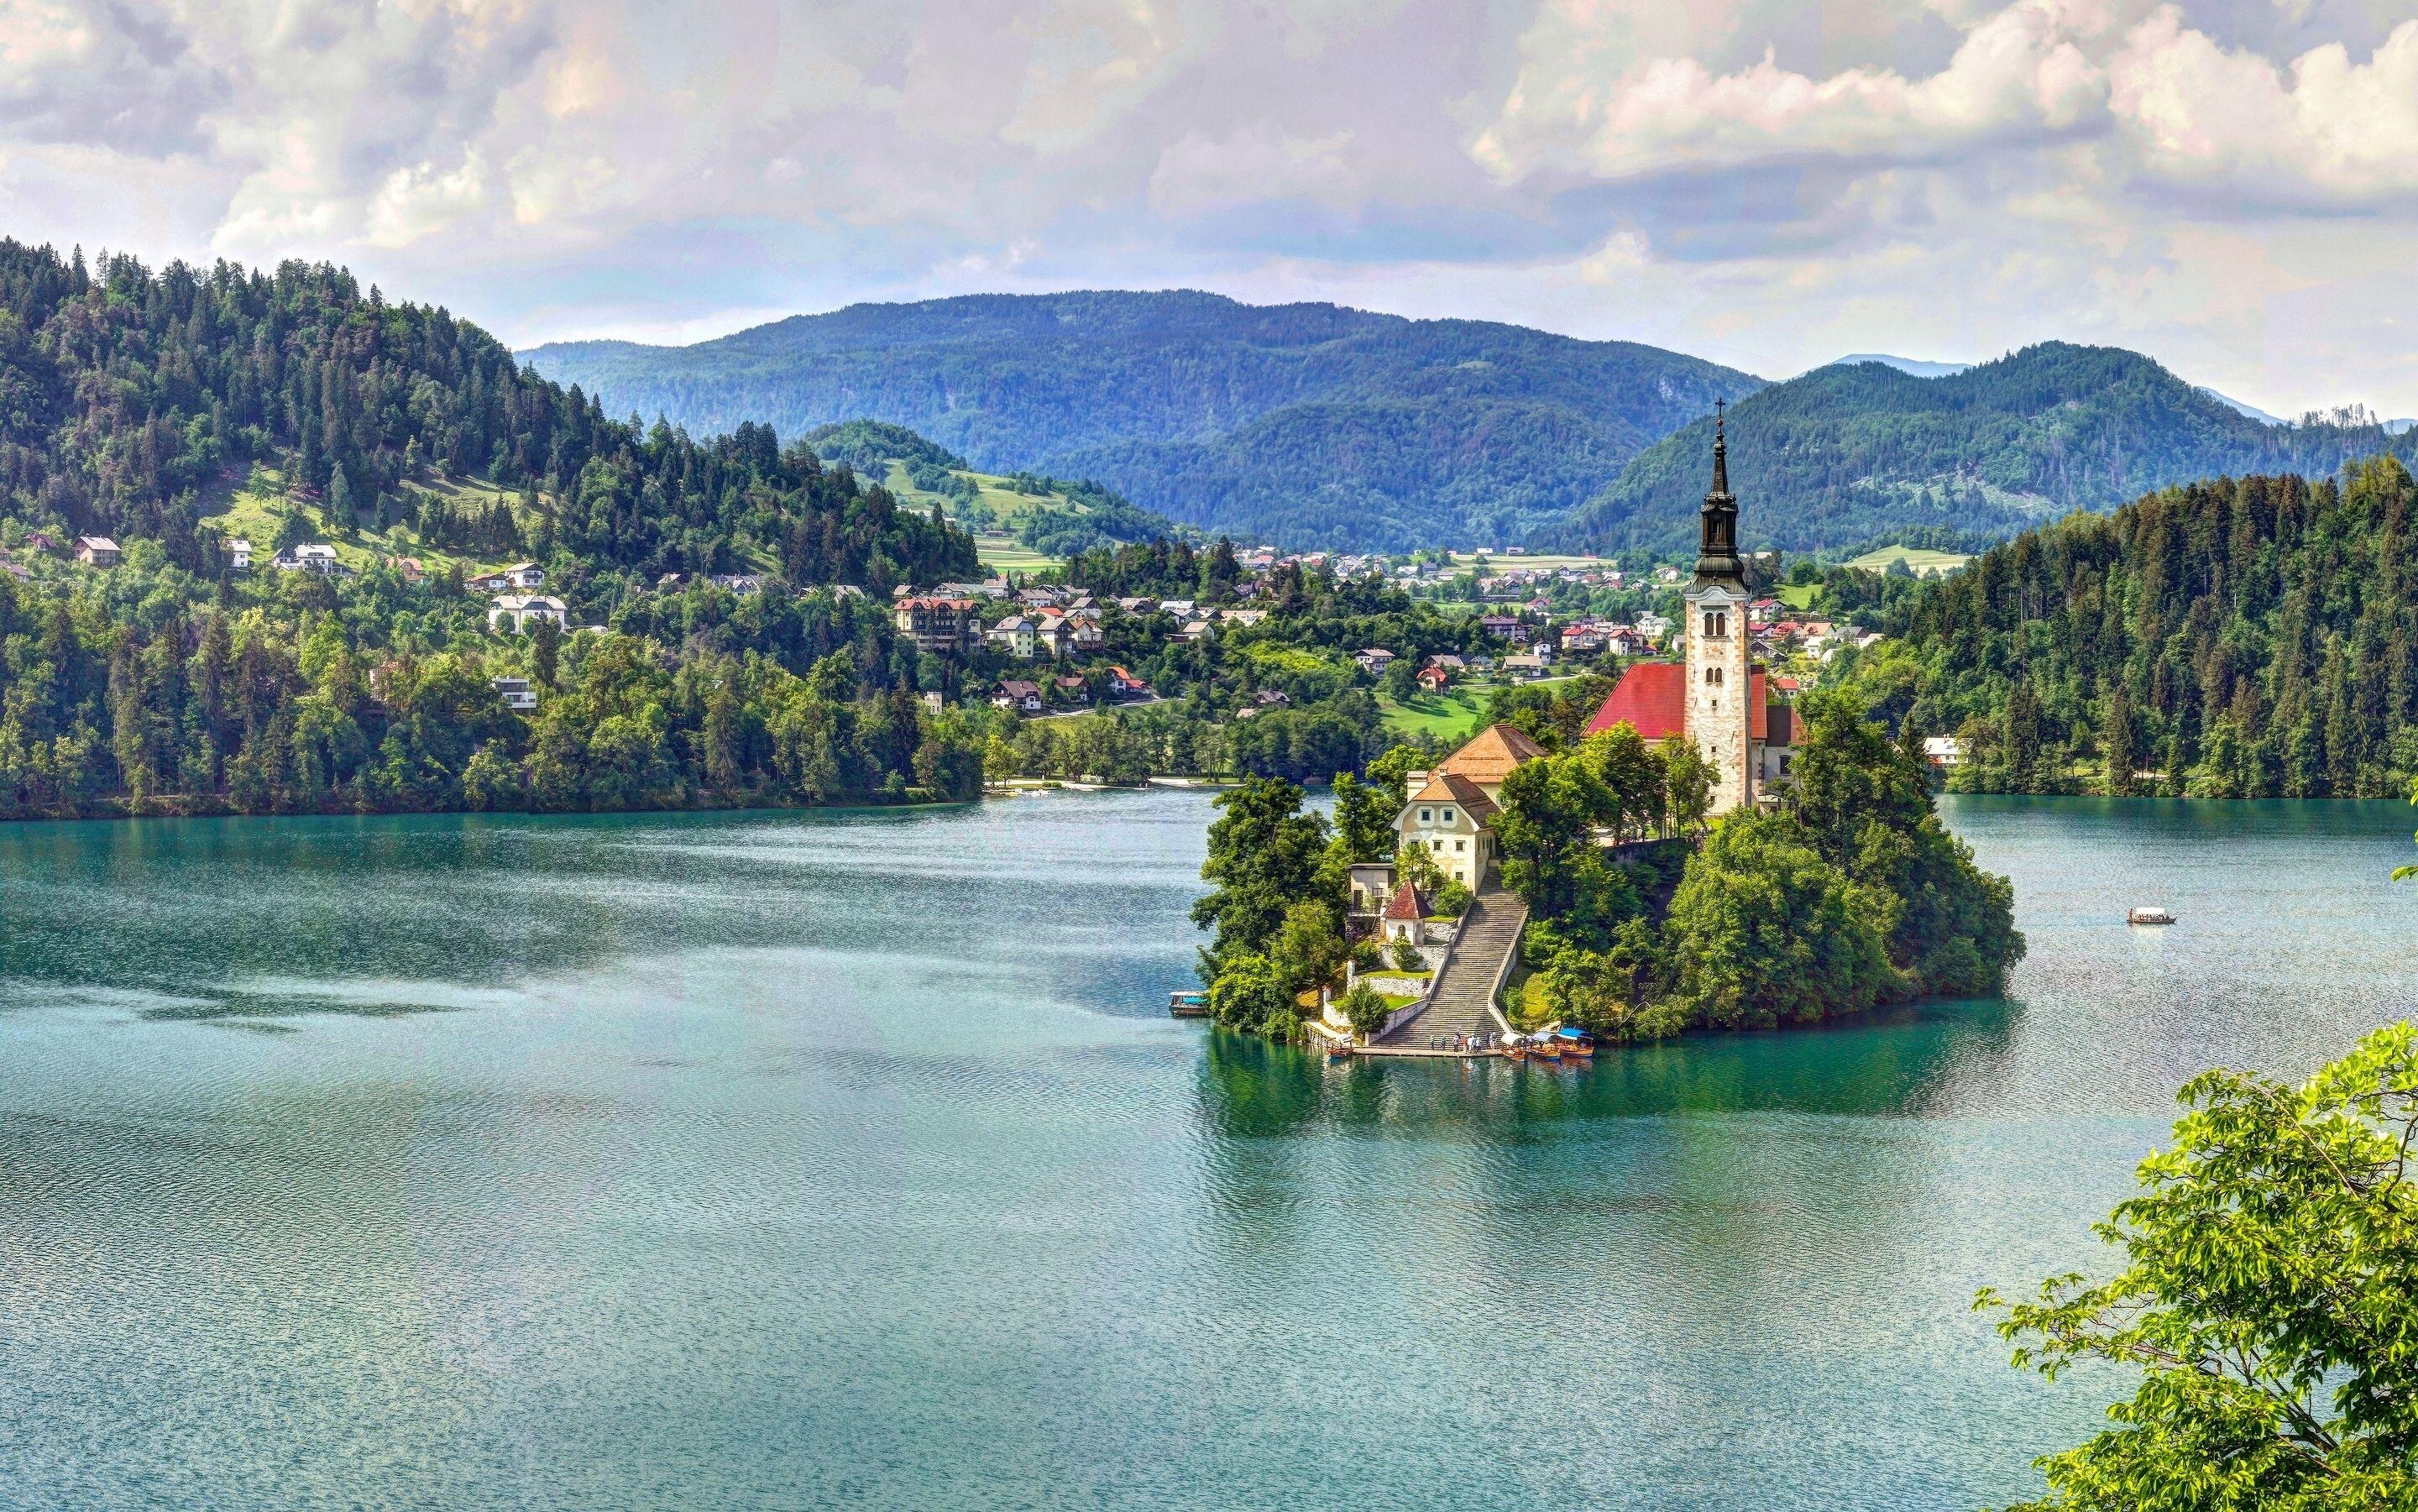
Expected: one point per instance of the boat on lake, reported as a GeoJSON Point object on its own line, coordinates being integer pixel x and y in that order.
{"type": "Point", "coordinates": [2149, 916]}
{"type": "Point", "coordinates": [1193, 1004]}
{"type": "Point", "coordinates": [1576, 1043]}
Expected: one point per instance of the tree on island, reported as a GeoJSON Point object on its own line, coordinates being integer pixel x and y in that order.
{"type": "Point", "coordinates": [1850, 894]}
{"type": "Point", "coordinates": [2268, 1306]}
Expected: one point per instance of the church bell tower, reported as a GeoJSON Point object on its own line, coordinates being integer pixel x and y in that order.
{"type": "Point", "coordinates": [1720, 650]}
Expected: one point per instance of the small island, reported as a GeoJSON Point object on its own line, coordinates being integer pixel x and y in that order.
{"type": "Point", "coordinates": [1690, 854]}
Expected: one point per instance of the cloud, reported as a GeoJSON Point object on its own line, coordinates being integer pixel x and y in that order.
{"type": "Point", "coordinates": [2018, 73]}
{"type": "Point", "coordinates": [2176, 107]}
{"type": "Point", "coordinates": [2226, 182]}
{"type": "Point", "coordinates": [2322, 129]}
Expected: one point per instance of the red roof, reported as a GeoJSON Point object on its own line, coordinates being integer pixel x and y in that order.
{"type": "Point", "coordinates": [1407, 904]}
{"type": "Point", "coordinates": [1653, 696]}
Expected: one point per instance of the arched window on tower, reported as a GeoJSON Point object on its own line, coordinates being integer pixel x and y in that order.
{"type": "Point", "coordinates": [1717, 624]}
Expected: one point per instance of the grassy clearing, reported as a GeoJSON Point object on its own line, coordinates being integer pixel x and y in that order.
{"type": "Point", "coordinates": [1801, 596]}
{"type": "Point", "coordinates": [1918, 561]}
{"type": "Point", "coordinates": [1461, 559]}
{"type": "Point", "coordinates": [1004, 503]}
{"type": "Point", "coordinates": [258, 506]}
{"type": "Point", "coordinates": [1451, 715]}
{"type": "Point", "coordinates": [1007, 556]}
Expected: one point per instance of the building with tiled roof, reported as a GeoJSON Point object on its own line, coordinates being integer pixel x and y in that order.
{"type": "Point", "coordinates": [1450, 818]}
{"type": "Point", "coordinates": [1718, 698]}
{"type": "Point", "coordinates": [1652, 698]}
{"type": "Point", "coordinates": [1489, 755]}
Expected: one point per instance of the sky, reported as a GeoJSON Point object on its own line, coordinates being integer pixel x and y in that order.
{"type": "Point", "coordinates": [2228, 185]}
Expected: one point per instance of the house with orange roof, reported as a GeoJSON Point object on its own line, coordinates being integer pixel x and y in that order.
{"type": "Point", "coordinates": [1489, 755]}
{"type": "Point", "coordinates": [1448, 816]}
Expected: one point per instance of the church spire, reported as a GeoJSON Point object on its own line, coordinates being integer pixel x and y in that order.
{"type": "Point", "coordinates": [1716, 554]}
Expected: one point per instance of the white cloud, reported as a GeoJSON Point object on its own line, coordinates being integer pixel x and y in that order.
{"type": "Point", "coordinates": [2226, 183]}
{"type": "Point", "coordinates": [2324, 128]}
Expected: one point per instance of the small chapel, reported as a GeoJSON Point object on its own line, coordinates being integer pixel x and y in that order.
{"type": "Point", "coordinates": [1717, 696]}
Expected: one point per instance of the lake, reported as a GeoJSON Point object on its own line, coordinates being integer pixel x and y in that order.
{"type": "Point", "coordinates": [850, 1160]}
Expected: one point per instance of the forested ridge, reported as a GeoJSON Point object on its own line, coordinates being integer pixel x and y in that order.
{"type": "Point", "coordinates": [1851, 453]}
{"type": "Point", "coordinates": [126, 396]}
{"type": "Point", "coordinates": [133, 402]}
{"type": "Point", "coordinates": [1307, 425]}
{"type": "Point", "coordinates": [2234, 639]}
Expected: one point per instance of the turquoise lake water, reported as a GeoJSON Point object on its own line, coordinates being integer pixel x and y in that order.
{"type": "Point", "coordinates": [801, 1161]}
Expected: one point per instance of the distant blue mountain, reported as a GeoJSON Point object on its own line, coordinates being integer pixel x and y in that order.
{"type": "Point", "coordinates": [1870, 449]}
{"type": "Point", "coordinates": [1303, 424]}
{"type": "Point", "coordinates": [1911, 366]}
{"type": "Point", "coordinates": [2241, 408]}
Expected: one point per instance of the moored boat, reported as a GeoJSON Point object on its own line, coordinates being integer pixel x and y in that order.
{"type": "Point", "coordinates": [1576, 1043]}
{"type": "Point", "coordinates": [1192, 1004]}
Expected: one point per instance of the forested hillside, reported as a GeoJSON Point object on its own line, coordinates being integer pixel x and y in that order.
{"type": "Point", "coordinates": [1051, 515]}
{"type": "Point", "coordinates": [139, 405]}
{"type": "Point", "coordinates": [1304, 425]}
{"type": "Point", "coordinates": [1850, 453]}
{"type": "Point", "coordinates": [2243, 638]}
{"type": "Point", "coordinates": [127, 398]}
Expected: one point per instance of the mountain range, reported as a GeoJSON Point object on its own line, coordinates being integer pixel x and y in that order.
{"type": "Point", "coordinates": [1318, 425]}
{"type": "Point", "coordinates": [1865, 450]}
{"type": "Point", "coordinates": [1308, 423]}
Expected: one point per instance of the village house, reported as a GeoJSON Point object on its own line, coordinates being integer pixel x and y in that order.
{"type": "Point", "coordinates": [517, 694]}
{"type": "Point", "coordinates": [1448, 815]}
{"type": "Point", "coordinates": [410, 567]}
{"type": "Point", "coordinates": [1123, 684]}
{"type": "Point", "coordinates": [1943, 751]}
{"type": "Point", "coordinates": [520, 577]}
{"type": "Point", "coordinates": [1195, 631]}
{"type": "Point", "coordinates": [1373, 660]}
{"type": "Point", "coordinates": [1527, 666]}
{"type": "Point", "coordinates": [96, 551]}
{"type": "Point", "coordinates": [1265, 699]}
{"type": "Point", "coordinates": [1017, 697]}
{"type": "Point", "coordinates": [937, 626]}
{"type": "Point", "coordinates": [240, 554]}
{"type": "Point", "coordinates": [1434, 677]}
{"type": "Point", "coordinates": [1015, 636]}
{"type": "Point", "coordinates": [308, 556]}
{"type": "Point", "coordinates": [1369, 885]}
{"type": "Point", "coordinates": [521, 610]}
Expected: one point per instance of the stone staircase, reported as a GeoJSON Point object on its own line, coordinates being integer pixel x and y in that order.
{"type": "Point", "coordinates": [1464, 987]}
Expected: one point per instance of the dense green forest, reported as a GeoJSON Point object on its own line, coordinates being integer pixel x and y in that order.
{"type": "Point", "coordinates": [1848, 893]}
{"type": "Point", "coordinates": [1859, 452]}
{"type": "Point", "coordinates": [128, 397]}
{"type": "Point", "coordinates": [146, 689]}
{"type": "Point", "coordinates": [131, 403]}
{"type": "Point", "coordinates": [2238, 638]}
{"type": "Point", "coordinates": [1310, 425]}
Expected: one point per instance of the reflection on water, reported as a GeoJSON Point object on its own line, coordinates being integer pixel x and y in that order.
{"type": "Point", "coordinates": [781, 1160]}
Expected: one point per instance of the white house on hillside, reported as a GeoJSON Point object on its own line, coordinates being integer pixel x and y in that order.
{"type": "Point", "coordinates": [523, 610]}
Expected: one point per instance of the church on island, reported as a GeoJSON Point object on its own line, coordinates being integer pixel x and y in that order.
{"type": "Point", "coordinates": [1717, 697]}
